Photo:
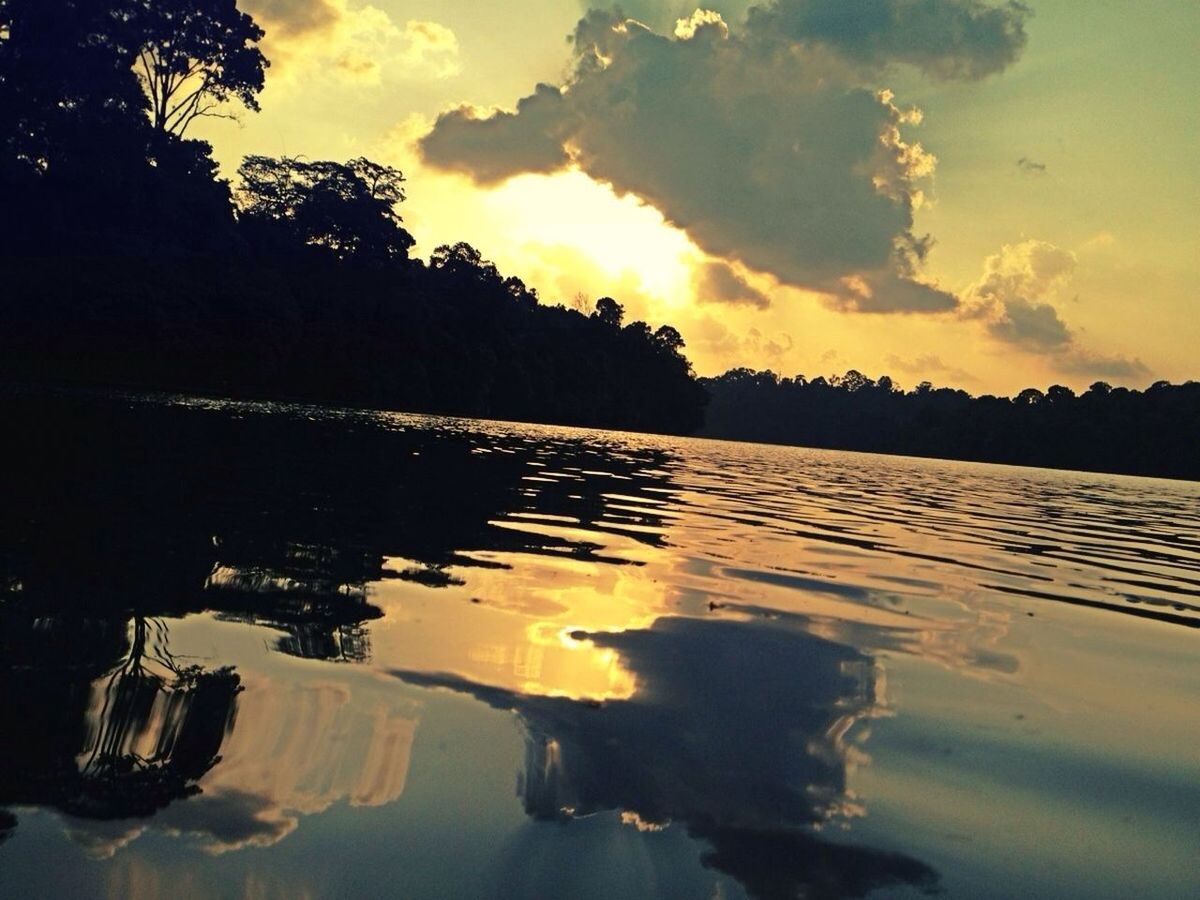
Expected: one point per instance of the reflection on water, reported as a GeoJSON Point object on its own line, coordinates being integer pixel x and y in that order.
{"type": "Point", "coordinates": [737, 732]}
{"type": "Point", "coordinates": [255, 650]}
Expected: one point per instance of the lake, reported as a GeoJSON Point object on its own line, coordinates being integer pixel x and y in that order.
{"type": "Point", "coordinates": [270, 650]}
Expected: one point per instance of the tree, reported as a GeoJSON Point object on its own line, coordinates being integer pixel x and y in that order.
{"type": "Point", "coordinates": [463, 261]}
{"type": "Point", "coordinates": [609, 312]}
{"type": "Point", "coordinates": [346, 208]}
{"type": "Point", "coordinates": [194, 56]}
{"type": "Point", "coordinates": [66, 82]}
{"type": "Point", "coordinates": [855, 380]}
{"type": "Point", "coordinates": [669, 339]}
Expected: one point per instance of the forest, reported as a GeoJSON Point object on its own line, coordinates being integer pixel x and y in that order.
{"type": "Point", "coordinates": [1105, 429]}
{"type": "Point", "coordinates": [130, 262]}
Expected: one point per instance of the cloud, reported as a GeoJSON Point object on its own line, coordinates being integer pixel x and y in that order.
{"type": "Point", "coordinates": [719, 282]}
{"type": "Point", "coordinates": [1013, 295]}
{"type": "Point", "coordinates": [430, 49]}
{"type": "Point", "coordinates": [228, 820]}
{"type": "Point", "coordinates": [769, 144]}
{"type": "Point", "coordinates": [293, 18]}
{"type": "Point", "coordinates": [742, 733]}
{"type": "Point", "coordinates": [946, 39]}
{"type": "Point", "coordinates": [491, 146]}
{"type": "Point", "coordinates": [1035, 326]}
{"type": "Point", "coordinates": [714, 339]}
{"type": "Point", "coordinates": [1016, 300]}
{"type": "Point", "coordinates": [358, 44]}
{"type": "Point", "coordinates": [1030, 167]}
{"type": "Point", "coordinates": [1082, 362]}
{"type": "Point", "coordinates": [929, 364]}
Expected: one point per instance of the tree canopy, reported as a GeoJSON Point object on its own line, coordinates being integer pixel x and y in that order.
{"type": "Point", "coordinates": [347, 208]}
{"type": "Point", "coordinates": [194, 56]}
{"type": "Point", "coordinates": [1151, 432]}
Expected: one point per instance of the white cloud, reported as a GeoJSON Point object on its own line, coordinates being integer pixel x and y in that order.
{"type": "Point", "coordinates": [357, 43]}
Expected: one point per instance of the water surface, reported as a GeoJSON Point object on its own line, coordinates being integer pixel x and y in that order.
{"type": "Point", "coordinates": [256, 650]}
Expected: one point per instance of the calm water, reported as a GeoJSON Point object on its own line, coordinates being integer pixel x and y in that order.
{"type": "Point", "coordinates": [278, 651]}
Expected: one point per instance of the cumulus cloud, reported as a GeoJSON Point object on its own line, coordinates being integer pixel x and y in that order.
{"type": "Point", "coordinates": [719, 282]}
{"type": "Point", "coordinates": [1014, 296]}
{"type": "Point", "coordinates": [1017, 298]}
{"type": "Point", "coordinates": [772, 144]}
{"type": "Point", "coordinates": [946, 39]}
{"type": "Point", "coordinates": [357, 43]}
{"type": "Point", "coordinates": [491, 146]}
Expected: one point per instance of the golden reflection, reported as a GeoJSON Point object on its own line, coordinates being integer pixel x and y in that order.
{"type": "Point", "coordinates": [294, 748]}
{"type": "Point", "coordinates": [303, 746]}
{"type": "Point", "coordinates": [513, 627]}
{"type": "Point", "coordinates": [135, 878]}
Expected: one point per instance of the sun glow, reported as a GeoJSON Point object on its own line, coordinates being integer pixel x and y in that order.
{"type": "Point", "coordinates": [617, 234]}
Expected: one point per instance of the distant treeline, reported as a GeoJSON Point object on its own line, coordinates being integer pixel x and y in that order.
{"type": "Point", "coordinates": [1105, 429]}
{"type": "Point", "coordinates": [128, 261]}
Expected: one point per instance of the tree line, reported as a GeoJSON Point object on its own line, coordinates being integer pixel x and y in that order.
{"type": "Point", "coordinates": [129, 261]}
{"type": "Point", "coordinates": [1105, 429]}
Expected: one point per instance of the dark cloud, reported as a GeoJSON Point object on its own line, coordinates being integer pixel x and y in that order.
{"type": "Point", "coordinates": [1081, 362]}
{"type": "Point", "coordinates": [717, 282]}
{"type": "Point", "coordinates": [946, 39]}
{"type": "Point", "coordinates": [493, 147]}
{"type": "Point", "coordinates": [768, 145]}
{"type": "Point", "coordinates": [1034, 326]}
{"type": "Point", "coordinates": [1029, 167]}
{"type": "Point", "coordinates": [293, 18]}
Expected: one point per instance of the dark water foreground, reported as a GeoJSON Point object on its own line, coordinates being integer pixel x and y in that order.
{"type": "Point", "coordinates": [275, 651]}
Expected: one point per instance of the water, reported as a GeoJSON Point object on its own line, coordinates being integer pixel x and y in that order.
{"type": "Point", "coordinates": [283, 651]}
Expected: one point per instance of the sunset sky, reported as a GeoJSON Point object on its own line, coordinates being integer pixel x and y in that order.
{"type": "Point", "coordinates": [985, 195]}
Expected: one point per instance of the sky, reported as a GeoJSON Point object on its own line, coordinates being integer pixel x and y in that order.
{"type": "Point", "coordinates": [986, 195]}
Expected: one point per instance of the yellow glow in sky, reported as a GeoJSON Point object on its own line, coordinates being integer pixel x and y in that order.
{"type": "Point", "coordinates": [1085, 144]}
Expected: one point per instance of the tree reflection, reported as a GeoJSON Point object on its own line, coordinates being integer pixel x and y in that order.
{"type": "Point", "coordinates": [127, 745]}
{"type": "Point", "coordinates": [120, 516]}
{"type": "Point", "coordinates": [737, 732]}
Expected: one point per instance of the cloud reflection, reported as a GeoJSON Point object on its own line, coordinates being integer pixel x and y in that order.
{"type": "Point", "coordinates": [738, 732]}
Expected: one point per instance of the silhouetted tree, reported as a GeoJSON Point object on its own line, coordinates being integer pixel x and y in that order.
{"type": "Point", "coordinates": [347, 208]}
{"type": "Point", "coordinates": [609, 312]}
{"type": "Point", "coordinates": [193, 56]}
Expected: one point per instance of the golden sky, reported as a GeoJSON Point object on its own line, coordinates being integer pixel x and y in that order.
{"type": "Point", "coordinates": [977, 194]}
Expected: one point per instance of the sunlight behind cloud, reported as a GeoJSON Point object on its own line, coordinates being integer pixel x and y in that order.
{"type": "Point", "coordinates": [617, 233]}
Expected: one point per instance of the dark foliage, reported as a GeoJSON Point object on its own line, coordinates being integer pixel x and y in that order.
{"type": "Point", "coordinates": [280, 518]}
{"type": "Point", "coordinates": [1106, 429]}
